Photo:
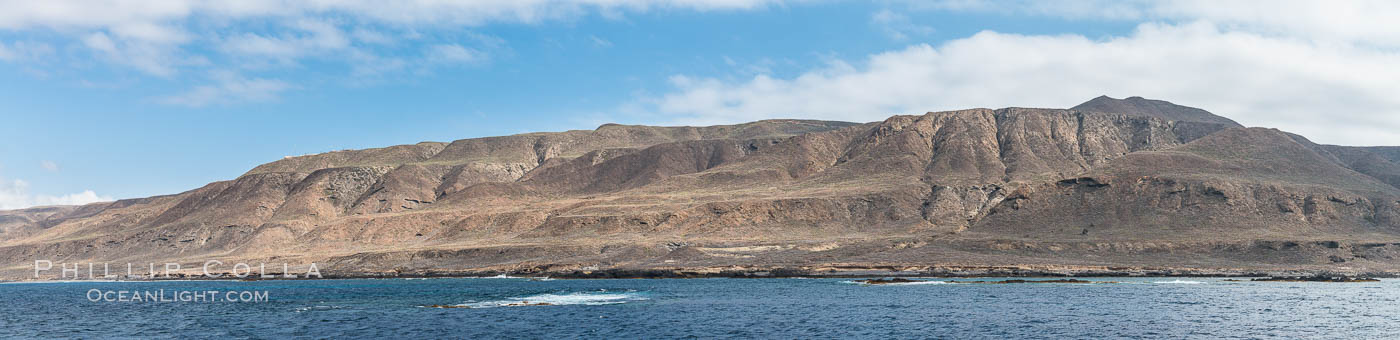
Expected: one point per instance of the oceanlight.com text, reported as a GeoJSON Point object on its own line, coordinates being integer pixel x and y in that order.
{"type": "Point", "coordinates": [162, 295]}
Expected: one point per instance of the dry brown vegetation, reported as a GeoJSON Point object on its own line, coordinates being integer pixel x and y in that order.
{"type": "Point", "coordinates": [1108, 186]}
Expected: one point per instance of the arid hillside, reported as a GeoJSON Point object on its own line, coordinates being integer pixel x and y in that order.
{"type": "Point", "coordinates": [1130, 186]}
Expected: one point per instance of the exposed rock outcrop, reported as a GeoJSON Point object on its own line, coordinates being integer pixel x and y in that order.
{"type": "Point", "coordinates": [1108, 184]}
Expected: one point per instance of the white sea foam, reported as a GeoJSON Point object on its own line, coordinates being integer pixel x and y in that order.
{"type": "Point", "coordinates": [915, 283]}
{"type": "Point", "coordinates": [1181, 282]}
{"type": "Point", "coordinates": [580, 298]}
{"type": "Point", "coordinates": [316, 308]}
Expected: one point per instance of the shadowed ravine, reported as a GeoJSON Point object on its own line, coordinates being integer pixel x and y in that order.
{"type": "Point", "coordinates": [1109, 187]}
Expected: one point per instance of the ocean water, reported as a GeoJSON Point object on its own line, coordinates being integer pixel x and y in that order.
{"type": "Point", "coordinates": [707, 308]}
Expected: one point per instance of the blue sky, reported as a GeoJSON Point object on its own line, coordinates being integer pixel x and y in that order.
{"type": "Point", "coordinates": [108, 101]}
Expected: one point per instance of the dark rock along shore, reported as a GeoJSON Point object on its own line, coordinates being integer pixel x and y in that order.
{"type": "Point", "coordinates": [1112, 187]}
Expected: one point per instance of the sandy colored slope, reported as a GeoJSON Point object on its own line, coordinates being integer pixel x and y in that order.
{"type": "Point", "coordinates": [1153, 184]}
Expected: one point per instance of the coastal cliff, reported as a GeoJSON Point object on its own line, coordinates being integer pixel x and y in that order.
{"type": "Point", "coordinates": [1112, 186]}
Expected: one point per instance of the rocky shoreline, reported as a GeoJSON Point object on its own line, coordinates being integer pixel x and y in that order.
{"type": "Point", "coordinates": [1319, 278]}
{"type": "Point", "coordinates": [1295, 275]}
{"type": "Point", "coordinates": [899, 280]}
{"type": "Point", "coordinates": [1012, 192]}
{"type": "Point", "coordinates": [878, 271]}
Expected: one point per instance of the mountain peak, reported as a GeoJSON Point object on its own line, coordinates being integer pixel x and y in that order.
{"type": "Point", "coordinates": [1150, 107]}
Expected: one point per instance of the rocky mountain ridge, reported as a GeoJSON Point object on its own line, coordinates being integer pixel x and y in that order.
{"type": "Point", "coordinates": [1131, 183]}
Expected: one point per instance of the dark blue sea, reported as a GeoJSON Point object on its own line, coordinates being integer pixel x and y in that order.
{"type": "Point", "coordinates": [702, 308]}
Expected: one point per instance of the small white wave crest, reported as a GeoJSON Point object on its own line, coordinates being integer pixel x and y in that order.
{"type": "Point", "coordinates": [579, 298]}
{"type": "Point", "coordinates": [1180, 282]}
{"type": "Point", "coordinates": [914, 283]}
{"type": "Point", "coordinates": [316, 308]}
{"type": "Point", "coordinates": [917, 283]}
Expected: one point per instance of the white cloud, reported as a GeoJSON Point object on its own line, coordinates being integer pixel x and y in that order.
{"type": "Point", "coordinates": [157, 59]}
{"type": "Point", "coordinates": [487, 40]}
{"type": "Point", "coordinates": [99, 41]}
{"type": "Point", "coordinates": [229, 87]}
{"type": "Point", "coordinates": [307, 37]}
{"type": "Point", "coordinates": [14, 194]}
{"type": "Point", "coordinates": [66, 14]}
{"type": "Point", "coordinates": [369, 65]}
{"type": "Point", "coordinates": [167, 38]}
{"type": "Point", "coordinates": [22, 50]}
{"type": "Point", "coordinates": [600, 42]}
{"type": "Point", "coordinates": [898, 26]}
{"type": "Point", "coordinates": [48, 165]}
{"type": "Point", "coordinates": [370, 36]}
{"type": "Point", "coordinates": [150, 35]}
{"type": "Point", "coordinates": [368, 68]}
{"type": "Point", "coordinates": [1332, 93]}
{"type": "Point", "coordinates": [1325, 69]}
{"type": "Point", "coordinates": [85, 197]}
{"type": "Point", "coordinates": [453, 54]}
{"type": "Point", "coordinates": [1367, 22]}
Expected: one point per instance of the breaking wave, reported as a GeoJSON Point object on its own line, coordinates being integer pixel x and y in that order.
{"type": "Point", "coordinates": [1181, 282]}
{"type": "Point", "coordinates": [316, 308]}
{"type": "Point", "coordinates": [915, 283]}
{"type": "Point", "coordinates": [919, 283]}
{"type": "Point", "coordinates": [579, 298]}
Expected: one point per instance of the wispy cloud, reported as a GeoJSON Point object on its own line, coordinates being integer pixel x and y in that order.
{"type": "Point", "coordinates": [14, 194]}
{"type": "Point", "coordinates": [161, 37]}
{"type": "Point", "coordinates": [453, 54]}
{"type": "Point", "coordinates": [600, 42]}
{"type": "Point", "coordinates": [304, 37]}
{"type": "Point", "coordinates": [898, 26]}
{"type": "Point", "coordinates": [178, 40]}
{"type": "Point", "coordinates": [229, 87]}
{"type": "Point", "coordinates": [26, 51]}
{"type": "Point", "coordinates": [49, 165]}
{"type": "Point", "coordinates": [486, 40]}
